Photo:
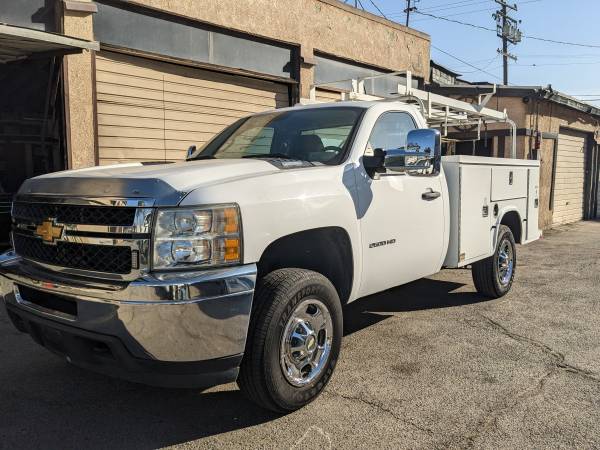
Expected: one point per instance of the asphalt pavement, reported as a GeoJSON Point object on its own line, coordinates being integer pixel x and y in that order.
{"type": "Point", "coordinates": [427, 365]}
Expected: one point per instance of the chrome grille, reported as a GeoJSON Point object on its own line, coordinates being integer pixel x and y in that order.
{"type": "Point", "coordinates": [100, 238]}
{"type": "Point", "coordinates": [97, 258]}
{"type": "Point", "coordinates": [74, 214]}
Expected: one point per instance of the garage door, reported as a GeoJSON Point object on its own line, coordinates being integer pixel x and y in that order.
{"type": "Point", "coordinates": [569, 184]}
{"type": "Point", "coordinates": [153, 111]}
{"type": "Point", "coordinates": [326, 96]}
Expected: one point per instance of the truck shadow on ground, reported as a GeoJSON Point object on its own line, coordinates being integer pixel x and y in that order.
{"type": "Point", "coordinates": [418, 295]}
{"type": "Point", "coordinates": [47, 403]}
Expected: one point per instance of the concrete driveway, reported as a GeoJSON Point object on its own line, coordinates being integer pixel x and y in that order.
{"type": "Point", "coordinates": [428, 365]}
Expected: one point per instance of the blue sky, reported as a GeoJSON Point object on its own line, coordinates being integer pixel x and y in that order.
{"type": "Point", "coordinates": [571, 69]}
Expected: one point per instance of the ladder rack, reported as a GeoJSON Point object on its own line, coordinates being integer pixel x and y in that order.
{"type": "Point", "coordinates": [439, 111]}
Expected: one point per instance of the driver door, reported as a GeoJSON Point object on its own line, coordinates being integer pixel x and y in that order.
{"type": "Point", "coordinates": [402, 230]}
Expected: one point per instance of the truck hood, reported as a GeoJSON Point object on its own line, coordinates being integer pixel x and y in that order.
{"type": "Point", "coordinates": [167, 184]}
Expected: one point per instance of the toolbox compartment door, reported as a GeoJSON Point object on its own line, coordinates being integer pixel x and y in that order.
{"type": "Point", "coordinates": [509, 183]}
{"type": "Point", "coordinates": [474, 216]}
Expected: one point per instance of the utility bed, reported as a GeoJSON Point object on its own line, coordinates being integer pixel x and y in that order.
{"type": "Point", "coordinates": [482, 190]}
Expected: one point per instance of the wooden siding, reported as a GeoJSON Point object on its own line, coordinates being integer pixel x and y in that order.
{"type": "Point", "coordinates": [153, 111]}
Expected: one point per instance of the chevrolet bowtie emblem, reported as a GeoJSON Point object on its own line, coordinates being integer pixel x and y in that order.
{"type": "Point", "coordinates": [49, 231]}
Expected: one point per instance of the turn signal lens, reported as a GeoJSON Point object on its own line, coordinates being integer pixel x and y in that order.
{"type": "Point", "coordinates": [232, 249]}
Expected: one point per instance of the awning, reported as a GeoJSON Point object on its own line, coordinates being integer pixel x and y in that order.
{"type": "Point", "coordinates": [18, 43]}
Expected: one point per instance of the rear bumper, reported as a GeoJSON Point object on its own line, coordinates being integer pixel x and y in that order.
{"type": "Point", "coordinates": [180, 329]}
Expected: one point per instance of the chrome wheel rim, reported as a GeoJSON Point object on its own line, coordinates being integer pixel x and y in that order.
{"type": "Point", "coordinates": [506, 263]}
{"type": "Point", "coordinates": [306, 342]}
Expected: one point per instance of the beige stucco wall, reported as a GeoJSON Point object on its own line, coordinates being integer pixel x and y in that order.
{"type": "Point", "coordinates": [551, 117]}
{"type": "Point", "coordinates": [79, 101]}
{"type": "Point", "coordinates": [328, 26]}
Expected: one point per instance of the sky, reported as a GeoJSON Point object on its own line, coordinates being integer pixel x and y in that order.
{"type": "Point", "coordinates": [574, 70]}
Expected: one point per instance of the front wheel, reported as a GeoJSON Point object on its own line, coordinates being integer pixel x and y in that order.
{"type": "Point", "coordinates": [294, 340]}
{"type": "Point", "coordinates": [493, 276]}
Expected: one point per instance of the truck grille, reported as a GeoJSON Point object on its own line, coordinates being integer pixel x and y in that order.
{"type": "Point", "coordinates": [97, 258]}
{"type": "Point", "coordinates": [74, 214]}
{"type": "Point", "coordinates": [99, 238]}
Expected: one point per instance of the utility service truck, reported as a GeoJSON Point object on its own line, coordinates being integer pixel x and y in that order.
{"type": "Point", "coordinates": [236, 264]}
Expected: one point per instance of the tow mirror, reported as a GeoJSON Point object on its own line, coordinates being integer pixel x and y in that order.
{"type": "Point", "coordinates": [190, 152]}
{"type": "Point", "coordinates": [421, 156]}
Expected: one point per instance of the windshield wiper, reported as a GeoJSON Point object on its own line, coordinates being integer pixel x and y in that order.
{"type": "Point", "coordinates": [272, 155]}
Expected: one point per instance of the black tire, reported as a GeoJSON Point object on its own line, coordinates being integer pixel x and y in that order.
{"type": "Point", "coordinates": [486, 273]}
{"type": "Point", "coordinates": [261, 376]}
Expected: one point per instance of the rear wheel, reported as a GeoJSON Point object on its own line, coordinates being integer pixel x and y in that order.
{"type": "Point", "coordinates": [294, 340]}
{"type": "Point", "coordinates": [493, 276]}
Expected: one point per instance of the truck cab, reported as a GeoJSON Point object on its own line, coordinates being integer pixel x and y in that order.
{"type": "Point", "coordinates": [236, 264]}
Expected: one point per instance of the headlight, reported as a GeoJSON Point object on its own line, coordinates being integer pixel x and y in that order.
{"type": "Point", "coordinates": [208, 236]}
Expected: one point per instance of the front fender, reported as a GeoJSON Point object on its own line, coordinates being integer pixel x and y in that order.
{"type": "Point", "coordinates": [288, 202]}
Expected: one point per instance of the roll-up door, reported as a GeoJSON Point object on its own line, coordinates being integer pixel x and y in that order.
{"type": "Point", "coordinates": [569, 181]}
{"type": "Point", "coordinates": [153, 111]}
{"type": "Point", "coordinates": [326, 96]}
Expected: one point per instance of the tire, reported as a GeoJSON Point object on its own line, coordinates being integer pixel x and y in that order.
{"type": "Point", "coordinates": [281, 295]}
{"type": "Point", "coordinates": [489, 277]}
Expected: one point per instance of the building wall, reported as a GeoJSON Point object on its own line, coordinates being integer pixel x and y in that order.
{"type": "Point", "coordinates": [327, 26]}
{"type": "Point", "coordinates": [79, 93]}
{"type": "Point", "coordinates": [551, 117]}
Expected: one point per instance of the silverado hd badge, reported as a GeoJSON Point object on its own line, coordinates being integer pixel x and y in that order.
{"type": "Point", "coordinates": [49, 231]}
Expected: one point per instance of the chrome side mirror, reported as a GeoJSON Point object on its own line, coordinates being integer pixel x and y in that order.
{"type": "Point", "coordinates": [421, 156]}
{"type": "Point", "coordinates": [190, 152]}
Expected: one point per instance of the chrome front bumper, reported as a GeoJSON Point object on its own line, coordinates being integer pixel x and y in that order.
{"type": "Point", "coordinates": [184, 317]}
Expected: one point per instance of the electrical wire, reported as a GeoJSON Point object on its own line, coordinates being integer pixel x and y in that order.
{"type": "Point", "coordinates": [576, 44]}
{"type": "Point", "coordinates": [478, 69]}
{"type": "Point", "coordinates": [463, 4]}
{"type": "Point", "coordinates": [487, 66]}
{"type": "Point", "coordinates": [463, 13]}
{"type": "Point", "coordinates": [377, 8]}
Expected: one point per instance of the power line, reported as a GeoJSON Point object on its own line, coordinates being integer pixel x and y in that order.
{"type": "Point", "coordinates": [487, 66]}
{"type": "Point", "coordinates": [478, 69]}
{"type": "Point", "coordinates": [525, 35]}
{"type": "Point", "coordinates": [454, 6]}
{"type": "Point", "coordinates": [460, 4]}
{"type": "Point", "coordinates": [559, 64]}
{"type": "Point", "coordinates": [377, 8]}
{"type": "Point", "coordinates": [463, 13]}
{"type": "Point", "coordinates": [562, 42]}
{"type": "Point", "coordinates": [455, 21]}
{"type": "Point", "coordinates": [463, 4]}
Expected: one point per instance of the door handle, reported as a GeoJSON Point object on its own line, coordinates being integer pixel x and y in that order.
{"type": "Point", "coordinates": [430, 195]}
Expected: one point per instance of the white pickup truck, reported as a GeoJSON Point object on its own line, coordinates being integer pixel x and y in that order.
{"type": "Point", "coordinates": [236, 264]}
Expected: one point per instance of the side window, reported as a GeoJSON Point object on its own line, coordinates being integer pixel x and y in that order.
{"type": "Point", "coordinates": [390, 131]}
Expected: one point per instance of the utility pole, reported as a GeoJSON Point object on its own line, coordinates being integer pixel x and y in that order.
{"type": "Point", "coordinates": [507, 29]}
{"type": "Point", "coordinates": [410, 8]}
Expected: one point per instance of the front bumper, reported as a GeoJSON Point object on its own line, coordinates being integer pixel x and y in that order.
{"type": "Point", "coordinates": [185, 329]}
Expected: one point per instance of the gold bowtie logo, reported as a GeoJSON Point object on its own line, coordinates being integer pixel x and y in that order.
{"type": "Point", "coordinates": [49, 232]}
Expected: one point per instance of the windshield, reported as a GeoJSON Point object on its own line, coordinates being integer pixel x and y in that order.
{"type": "Point", "coordinates": [314, 135]}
